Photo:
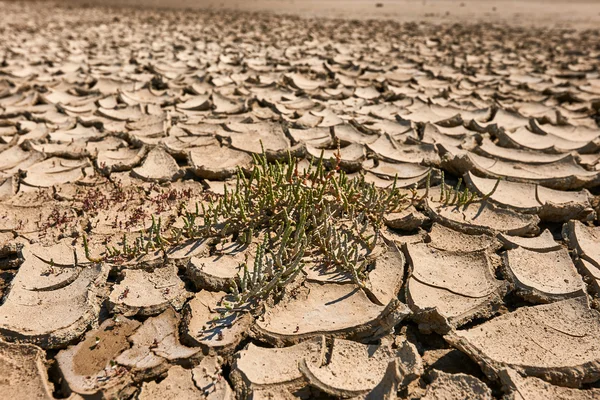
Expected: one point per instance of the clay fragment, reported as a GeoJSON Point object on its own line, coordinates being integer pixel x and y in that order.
{"type": "Point", "coordinates": [446, 289]}
{"type": "Point", "coordinates": [543, 277]}
{"type": "Point", "coordinates": [39, 292]}
{"type": "Point", "coordinates": [259, 368]}
{"type": "Point", "coordinates": [549, 204]}
{"type": "Point", "coordinates": [442, 238]}
{"type": "Point", "coordinates": [565, 174]}
{"type": "Point", "coordinates": [154, 345]}
{"type": "Point", "coordinates": [89, 367]}
{"type": "Point", "coordinates": [542, 243]}
{"type": "Point", "coordinates": [481, 217]}
{"type": "Point", "coordinates": [147, 293]}
{"type": "Point", "coordinates": [55, 171]}
{"type": "Point", "coordinates": [23, 371]}
{"type": "Point", "coordinates": [583, 240]}
{"type": "Point", "coordinates": [388, 388]}
{"type": "Point", "coordinates": [122, 159]}
{"type": "Point", "coordinates": [556, 342]}
{"type": "Point", "coordinates": [531, 388]}
{"type": "Point", "coordinates": [218, 163]}
{"type": "Point", "coordinates": [204, 326]}
{"type": "Point", "coordinates": [355, 369]}
{"type": "Point", "coordinates": [406, 220]}
{"type": "Point", "coordinates": [456, 387]}
{"type": "Point", "coordinates": [334, 310]}
{"type": "Point", "coordinates": [208, 377]}
{"type": "Point", "coordinates": [178, 385]}
{"type": "Point", "coordinates": [350, 157]}
{"type": "Point", "coordinates": [217, 273]}
{"type": "Point", "coordinates": [591, 272]}
{"type": "Point", "coordinates": [158, 166]}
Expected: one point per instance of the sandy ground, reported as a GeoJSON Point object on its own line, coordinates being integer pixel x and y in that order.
{"type": "Point", "coordinates": [423, 222]}
{"type": "Point", "coordinates": [580, 14]}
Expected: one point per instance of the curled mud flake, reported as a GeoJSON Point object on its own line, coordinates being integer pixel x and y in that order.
{"type": "Point", "coordinates": [314, 136]}
{"type": "Point", "coordinates": [334, 310]}
{"type": "Point", "coordinates": [23, 371]}
{"type": "Point", "coordinates": [456, 386]}
{"type": "Point", "coordinates": [407, 220]}
{"type": "Point", "coordinates": [555, 342]}
{"type": "Point", "coordinates": [354, 369]}
{"type": "Point", "coordinates": [118, 160]}
{"type": "Point", "coordinates": [350, 157]}
{"type": "Point", "coordinates": [148, 292]}
{"type": "Point", "coordinates": [565, 174]}
{"type": "Point", "coordinates": [549, 204]}
{"type": "Point", "coordinates": [390, 150]}
{"type": "Point", "coordinates": [480, 217]}
{"type": "Point", "coordinates": [542, 243]}
{"type": "Point", "coordinates": [55, 171]}
{"type": "Point", "coordinates": [523, 138]}
{"type": "Point", "coordinates": [258, 368]}
{"type": "Point", "coordinates": [208, 377]}
{"type": "Point", "coordinates": [583, 240]}
{"type": "Point", "coordinates": [543, 277]}
{"type": "Point", "coordinates": [489, 149]}
{"type": "Point", "coordinates": [442, 238]}
{"type": "Point", "coordinates": [158, 166]}
{"type": "Point", "coordinates": [89, 367]}
{"type": "Point", "coordinates": [196, 103]}
{"type": "Point", "coordinates": [178, 384]}
{"type": "Point", "coordinates": [156, 344]}
{"type": "Point", "coordinates": [591, 272]}
{"type": "Point", "coordinates": [35, 297]}
{"type": "Point", "coordinates": [448, 289]}
{"type": "Point", "coordinates": [218, 163]}
{"type": "Point", "coordinates": [207, 323]}
{"type": "Point", "coordinates": [518, 387]}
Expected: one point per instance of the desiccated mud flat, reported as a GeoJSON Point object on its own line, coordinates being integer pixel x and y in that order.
{"type": "Point", "coordinates": [114, 124]}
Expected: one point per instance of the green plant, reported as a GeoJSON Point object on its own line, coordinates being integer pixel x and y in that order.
{"type": "Point", "coordinates": [316, 214]}
{"type": "Point", "coordinates": [457, 197]}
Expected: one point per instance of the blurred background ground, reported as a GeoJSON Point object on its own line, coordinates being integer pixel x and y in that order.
{"type": "Point", "coordinates": [581, 14]}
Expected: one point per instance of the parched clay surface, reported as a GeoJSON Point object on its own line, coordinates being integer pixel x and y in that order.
{"type": "Point", "coordinates": [442, 238]}
{"type": "Point", "coordinates": [180, 385]}
{"type": "Point", "coordinates": [110, 116]}
{"type": "Point", "coordinates": [407, 220]}
{"type": "Point", "coordinates": [565, 174]}
{"type": "Point", "coordinates": [154, 345]}
{"type": "Point", "coordinates": [583, 240]}
{"type": "Point", "coordinates": [550, 204]}
{"type": "Point", "coordinates": [158, 166]}
{"type": "Point", "coordinates": [591, 272]}
{"type": "Point", "coordinates": [219, 271]}
{"type": "Point", "coordinates": [212, 162]}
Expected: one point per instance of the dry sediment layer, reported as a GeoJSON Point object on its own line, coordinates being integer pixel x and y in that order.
{"type": "Point", "coordinates": [108, 118]}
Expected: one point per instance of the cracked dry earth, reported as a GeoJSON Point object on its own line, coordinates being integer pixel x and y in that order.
{"type": "Point", "coordinates": [109, 117]}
